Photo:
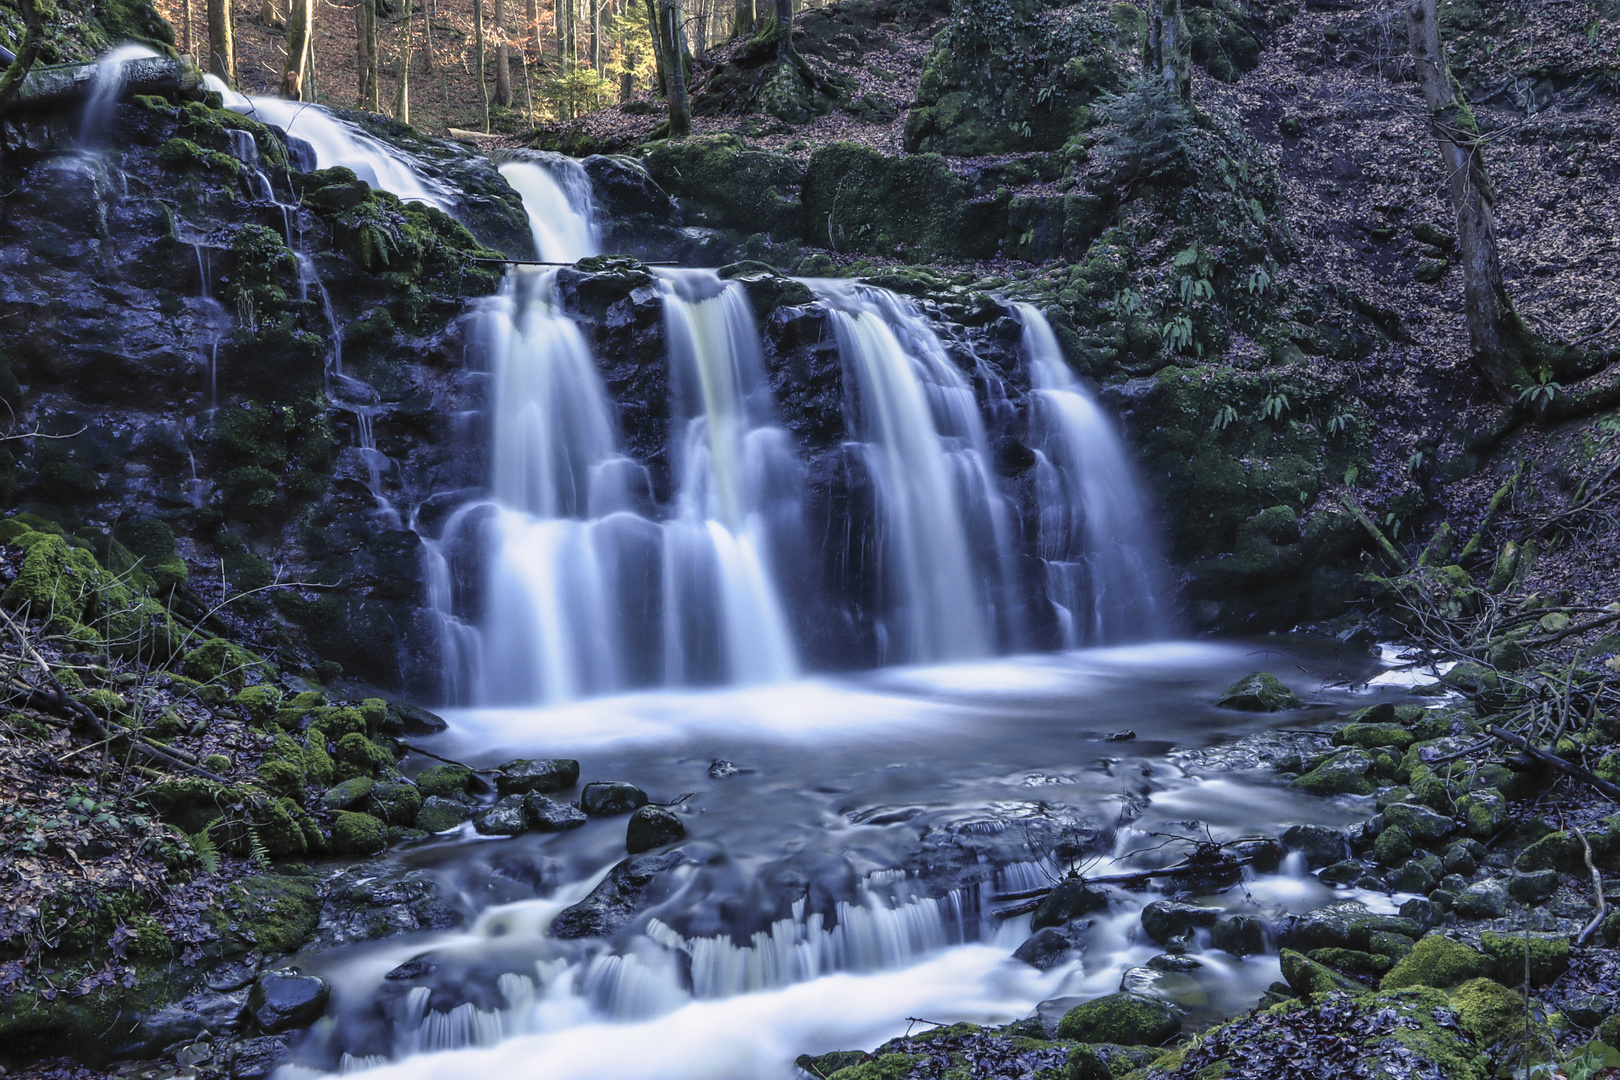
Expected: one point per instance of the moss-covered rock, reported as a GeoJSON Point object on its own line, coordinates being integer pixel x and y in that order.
{"type": "Point", "coordinates": [1344, 773]}
{"type": "Point", "coordinates": [1258, 691]}
{"type": "Point", "coordinates": [1307, 976]}
{"type": "Point", "coordinates": [725, 183]}
{"type": "Point", "coordinates": [1373, 736]}
{"type": "Point", "coordinates": [1005, 76]}
{"type": "Point", "coordinates": [1436, 961]}
{"type": "Point", "coordinates": [444, 780]}
{"type": "Point", "coordinates": [916, 207]}
{"type": "Point", "coordinates": [223, 662]}
{"type": "Point", "coordinates": [1548, 956]}
{"type": "Point", "coordinates": [1131, 1019]}
{"type": "Point", "coordinates": [357, 834]}
{"type": "Point", "coordinates": [259, 703]}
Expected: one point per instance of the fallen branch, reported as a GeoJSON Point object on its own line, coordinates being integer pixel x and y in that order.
{"type": "Point", "coordinates": [1032, 897]}
{"type": "Point", "coordinates": [1568, 768]}
{"type": "Point", "coordinates": [1389, 550]}
{"type": "Point", "coordinates": [1475, 541]}
{"type": "Point", "coordinates": [1597, 891]}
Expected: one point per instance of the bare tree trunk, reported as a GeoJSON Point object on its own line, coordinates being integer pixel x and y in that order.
{"type": "Point", "coordinates": [221, 41]}
{"type": "Point", "coordinates": [402, 98]}
{"type": "Point", "coordinates": [742, 23]}
{"type": "Point", "coordinates": [268, 15]}
{"type": "Point", "coordinates": [700, 50]}
{"type": "Point", "coordinates": [503, 65]}
{"type": "Point", "coordinates": [478, 60]}
{"type": "Point", "coordinates": [655, 25]}
{"type": "Point", "coordinates": [1501, 342]}
{"type": "Point", "coordinates": [300, 25]}
{"type": "Point", "coordinates": [531, 15]}
{"type": "Point", "coordinates": [596, 37]}
{"type": "Point", "coordinates": [28, 50]}
{"type": "Point", "coordinates": [680, 113]}
{"type": "Point", "coordinates": [185, 27]}
{"type": "Point", "coordinates": [428, 59]}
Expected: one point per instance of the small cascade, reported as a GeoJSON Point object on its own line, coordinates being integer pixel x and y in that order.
{"type": "Point", "coordinates": [1102, 561]}
{"type": "Point", "coordinates": [557, 195]}
{"type": "Point", "coordinates": [218, 321]}
{"type": "Point", "coordinates": [943, 540]}
{"type": "Point", "coordinates": [106, 90]}
{"type": "Point", "coordinates": [335, 142]}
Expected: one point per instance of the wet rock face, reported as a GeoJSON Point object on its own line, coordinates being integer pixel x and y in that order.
{"type": "Point", "coordinates": [287, 999]}
{"type": "Point", "coordinates": [616, 902]}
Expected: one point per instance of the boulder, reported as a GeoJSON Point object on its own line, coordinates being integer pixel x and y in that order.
{"type": "Point", "coordinates": [1044, 949]}
{"type": "Point", "coordinates": [1239, 935]}
{"type": "Point", "coordinates": [347, 794]}
{"type": "Point", "coordinates": [1483, 812]}
{"type": "Point", "coordinates": [1533, 887]}
{"type": "Point", "coordinates": [1486, 899]}
{"type": "Point", "coordinates": [545, 776]}
{"type": "Point", "coordinates": [651, 827]}
{"type": "Point", "coordinates": [615, 903]}
{"type": "Point", "coordinates": [1306, 976]}
{"type": "Point", "coordinates": [1164, 920]}
{"type": "Point", "coordinates": [1071, 899]}
{"type": "Point", "coordinates": [1320, 845]}
{"type": "Point", "coordinates": [1176, 987]}
{"type": "Point", "coordinates": [439, 814]}
{"type": "Point", "coordinates": [607, 799]}
{"type": "Point", "coordinates": [1128, 1019]}
{"type": "Point", "coordinates": [184, 1020]}
{"type": "Point", "coordinates": [1421, 823]}
{"type": "Point", "coordinates": [1345, 773]}
{"type": "Point", "coordinates": [1374, 736]}
{"type": "Point", "coordinates": [549, 815]}
{"type": "Point", "coordinates": [1259, 691]}
{"type": "Point", "coordinates": [1436, 961]}
{"type": "Point", "coordinates": [508, 817]}
{"type": "Point", "coordinates": [287, 999]}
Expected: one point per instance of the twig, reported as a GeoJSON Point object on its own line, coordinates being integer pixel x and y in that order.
{"type": "Point", "coordinates": [1495, 504]}
{"type": "Point", "coordinates": [1554, 760]}
{"type": "Point", "coordinates": [1349, 503]}
{"type": "Point", "coordinates": [1597, 891]}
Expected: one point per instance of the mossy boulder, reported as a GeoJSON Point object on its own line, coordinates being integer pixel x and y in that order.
{"type": "Point", "coordinates": [1373, 736]}
{"type": "Point", "coordinates": [1130, 1019]}
{"type": "Point", "coordinates": [396, 801]}
{"type": "Point", "coordinates": [439, 814]}
{"type": "Point", "coordinates": [1344, 773]}
{"type": "Point", "coordinates": [259, 703]}
{"type": "Point", "coordinates": [724, 183]}
{"type": "Point", "coordinates": [914, 207]}
{"type": "Point", "coordinates": [1258, 691]}
{"type": "Point", "coordinates": [444, 780]}
{"type": "Point", "coordinates": [1548, 956]}
{"type": "Point", "coordinates": [349, 793]}
{"type": "Point", "coordinates": [1555, 851]}
{"type": "Point", "coordinates": [1307, 976]}
{"type": "Point", "coordinates": [223, 662]}
{"type": "Point", "coordinates": [1436, 961]}
{"type": "Point", "coordinates": [1005, 76]}
{"type": "Point", "coordinates": [357, 834]}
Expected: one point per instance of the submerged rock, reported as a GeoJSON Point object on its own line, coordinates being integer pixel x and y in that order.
{"type": "Point", "coordinates": [616, 902]}
{"type": "Point", "coordinates": [1259, 691]}
{"type": "Point", "coordinates": [1164, 920]}
{"type": "Point", "coordinates": [651, 827]}
{"type": "Point", "coordinates": [286, 999]}
{"type": "Point", "coordinates": [1239, 935]}
{"type": "Point", "coordinates": [1320, 845]}
{"type": "Point", "coordinates": [606, 799]}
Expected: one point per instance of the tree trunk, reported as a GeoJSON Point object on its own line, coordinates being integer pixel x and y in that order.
{"type": "Point", "coordinates": [428, 59]}
{"type": "Point", "coordinates": [1167, 48]}
{"type": "Point", "coordinates": [300, 25]}
{"type": "Point", "coordinates": [680, 113]}
{"type": "Point", "coordinates": [531, 15]}
{"type": "Point", "coordinates": [1501, 343]}
{"type": "Point", "coordinates": [365, 52]}
{"type": "Point", "coordinates": [503, 59]}
{"type": "Point", "coordinates": [596, 37]}
{"type": "Point", "coordinates": [28, 51]}
{"type": "Point", "coordinates": [221, 41]}
{"type": "Point", "coordinates": [478, 61]}
{"type": "Point", "coordinates": [268, 15]}
{"type": "Point", "coordinates": [784, 30]}
{"type": "Point", "coordinates": [185, 27]}
{"type": "Point", "coordinates": [742, 23]}
{"type": "Point", "coordinates": [655, 25]}
{"type": "Point", "coordinates": [402, 98]}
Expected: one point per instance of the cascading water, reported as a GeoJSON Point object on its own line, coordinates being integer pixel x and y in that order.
{"type": "Point", "coordinates": [1100, 553]}
{"type": "Point", "coordinates": [944, 540]}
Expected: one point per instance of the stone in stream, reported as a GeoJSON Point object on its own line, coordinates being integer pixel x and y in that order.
{"type": "Point", "coordinates": [439, 814]}
{"type": "Point", "coordinates": [347, 794]}
{"type": "Point", "coordinates": [605, 799]}
{"type": "Point", "coordinates": [1071, 899]}
{"type": "Point", "coordinates": [1320, 845]}
{"type": "Point", "coordinates": [1306, 976]}
{"type": "Point", "coordinates": [1177, 987]}
{"type": "Point", "coordinates": [549, 815]}
{"type": "Point", "coordinates": [287, 999]}
{"type": "Point", "coordinates": [508, 817]}
{"type": "Point", "coordinates": [545, 776]}
{"type": "Point", "coordinates": [1411, 876]}
{"type": "Point", "coordinates": [1343, 924]}
{"type": "Point", "coordinates": [1483, 812]}
{"type": "Point", "coordinates": [1129, 1019]}
{"type": "Point", "coordinates": [1486, 899]}
{"type": "Point", "coordinates": [184, 1020]}
{"type": "Point", "coordinates": [1239, 935]}
{"type": "Point", "coordinates": [1164, 920]}
{"type": "Point", "coordinates": [615, 903]}
{"type": "Point", "coordinates": [1345, 773]}
{"type": "Point", "coordinates": [1533, 887]}
{"type": "Point", "coordinates": [1044, 949]}
{"type": "Point", "coordinates": [1258, 691]}
{"type": "Point", "coordinates": [1420, 822]}
{"type": "Point", "coordinates": [651, 827]}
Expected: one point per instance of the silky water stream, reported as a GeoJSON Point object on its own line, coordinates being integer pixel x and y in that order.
{"type": "Point", "coordinates": [847, 835]}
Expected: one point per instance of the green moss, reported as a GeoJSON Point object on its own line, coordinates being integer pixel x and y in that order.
{"type": "Point", "coordinates": [357, 834]}
{"type": "Point", "coordinates": [283, 776]}
{"type": "Point", "coordinates": [1372, 736]}
{"type": "Point", "coordinates": [724, 183]}
{"type": "Point", "coordinates": [884, 1067]}
{"type": "Point", "coordinates": [1548, 955]}
{"type": "Point", "coordinates": [444, 780]}
{"type": "Point", "coordinates": [1307, 976]}
{"type": "Point", "coordinates": [259, 702]}
{"type": "Point", "coordinates": [856, 199]}
{"type": "Point", "coordinates": [396, 801]}
{"type": "Point", "coordinates": [1490, 1012]}
{"type": "Point", "coordinates": [271, 914]}
{"type": "Point", "coordinates": [1130, 1019]}
{"type": "Point", "coordinates": [332, 723]}
{"type": "Point", "coordinates": [1555, 851]}
{"type": "Point", "coordinates": [1258, 691]}
{"type": "Point", "coordinates": [1436, 961]}
{"type": "Point", "coordinates": [1352, 961]}
{"type": "Point", "coordinates": [218, 661]}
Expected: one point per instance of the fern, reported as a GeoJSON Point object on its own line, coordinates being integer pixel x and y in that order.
{"type": "Point", "coordinates": [202, 844]}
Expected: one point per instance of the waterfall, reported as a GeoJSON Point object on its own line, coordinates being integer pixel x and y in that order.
{"type": "Point", "coordinates": [944, 543]}
{"type": "Point", "coordinates": [106, 89]}
{"type": "Point", "coordinates": [1102, 561]}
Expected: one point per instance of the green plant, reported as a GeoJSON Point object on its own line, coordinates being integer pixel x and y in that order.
{"type": "Point", "coordinates": [1194, 290]}
{"type": "Point", "coordinates": [1177, 333]}
{"type": "Point", "coordinates": [1128, 302]}
{"type": "Point", "coordinates": [202, 844]}
{"type": "Point", "coordinates": [1339, 423]}
{"type": "Point", "coordinates": [1541, 393]}
{"type": "Point", "coordinates": [1225, 416]}
{"type": "Point", "coordinates": [1275, 406]}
